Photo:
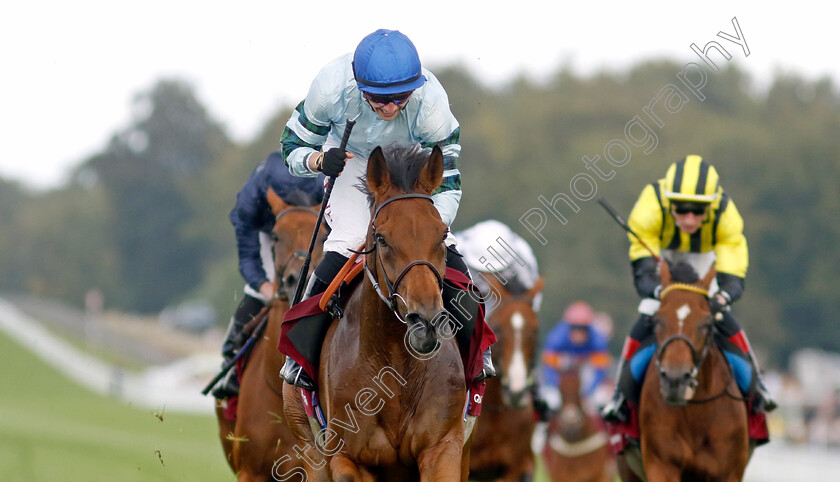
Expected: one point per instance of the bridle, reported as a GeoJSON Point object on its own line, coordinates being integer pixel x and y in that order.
{"type": "Point", "coordinates": [280, 270]}
{"type": "Point", "coordinates": [696, 358]}
{"type": "Point", "coordinates": [392, 287]}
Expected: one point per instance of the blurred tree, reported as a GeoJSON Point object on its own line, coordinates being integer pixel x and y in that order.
{"type": "Point", "coordinates": [145, 171]}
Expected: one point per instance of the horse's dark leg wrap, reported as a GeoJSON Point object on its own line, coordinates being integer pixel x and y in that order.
{"type": "Point", "coordinates": [455, 261]}
{"type": "Point", "coordinates": [321, 278]}
{"type": "Point", "coordinates": [735, 342]}
{"type": "Point", "coordinates": [248, 308]}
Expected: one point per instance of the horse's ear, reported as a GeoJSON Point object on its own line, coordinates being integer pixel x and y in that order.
{"type": "Point", "coordinates": [378, 178]}
{"type": "Point", "coordinates": [432, 173]}
{"type": "Point", "coordinates": [535, 290]}
{"type": "Point", "coordinates": [664, 273]}
{"type": "Point", "coordinates": [277, 204]}
{"type": "Point", "coordinates": [707, 280]}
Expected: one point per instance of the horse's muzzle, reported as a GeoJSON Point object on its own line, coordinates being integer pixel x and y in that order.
{"type": "Point", "coordinates": [677, 385]}
{"type": "Point", "coordinates": [423, 335]}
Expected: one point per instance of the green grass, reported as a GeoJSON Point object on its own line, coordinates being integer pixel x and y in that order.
{"type": "Point", "coordinates": [54, 430]}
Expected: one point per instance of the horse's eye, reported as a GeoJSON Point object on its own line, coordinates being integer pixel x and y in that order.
{"type": "Point", "coordinates": [445, 235]}
{"type": "Point", "coordinates": [380, 240]}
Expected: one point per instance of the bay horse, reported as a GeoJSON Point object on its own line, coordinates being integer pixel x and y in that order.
{"type": "Point", "coordinates": [577, 449]}
{"type": "Point", "coordinates": [692, 419]}
{"type": "Point", "coordinates": [390, 415]}
{"type": "Point", "coordinates": [501, 448]}
{"type": "Point", "coordinates": [258, 438]}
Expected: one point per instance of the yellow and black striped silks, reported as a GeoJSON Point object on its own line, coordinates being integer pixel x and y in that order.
{"type": "Point", "coordinates": [694, 180]}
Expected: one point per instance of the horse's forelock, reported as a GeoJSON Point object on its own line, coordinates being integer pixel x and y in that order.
{"type": "Point", "coordinates": [683, 273]}
{"type": "Point", "coordinates": [404, 165]}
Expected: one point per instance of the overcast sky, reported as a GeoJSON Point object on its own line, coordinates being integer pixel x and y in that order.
{"type": "Point", "coordinates": [70, 68]}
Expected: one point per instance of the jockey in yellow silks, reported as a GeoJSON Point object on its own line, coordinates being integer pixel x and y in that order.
{"type": "Point", "coordinates": [687, 217]}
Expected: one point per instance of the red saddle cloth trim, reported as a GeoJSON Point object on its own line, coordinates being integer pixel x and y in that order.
{"type": "Point", "coordinates": [481, 339]}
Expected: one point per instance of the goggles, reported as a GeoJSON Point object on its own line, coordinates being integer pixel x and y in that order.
{"type": "Point", "coordinates": [383, 100]}
{"type": "Point", "coordinates": [697, 209]}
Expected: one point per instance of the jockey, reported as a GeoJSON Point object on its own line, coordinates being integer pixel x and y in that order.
{"type": "Point", "coordinates": [686, 217]}
{"type": "Point", "coordinates": [253, 222]}
{"type": "Point", "coordinates": [573, 341]}
{"type": "Point", "coordinates": [492, 247]}
{"type": "Point", "coordinates": [393, 100]}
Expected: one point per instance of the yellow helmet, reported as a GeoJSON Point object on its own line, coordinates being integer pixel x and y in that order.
{"type": "Point", "coordinates": [692, 180]}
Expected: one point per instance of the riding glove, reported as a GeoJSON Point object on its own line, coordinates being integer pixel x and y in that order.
{"type": "Point", "coordinates": [333, 162]}
{"type": "Point", "coordinates": [719, 303]}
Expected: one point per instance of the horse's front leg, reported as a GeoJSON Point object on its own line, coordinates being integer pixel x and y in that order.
{"type": "Point", "coordinates": [444, 462]}
{"type": "Point", "coordinates": [657, 470]}
{"type": "Point", "coordinates": [345, 470]}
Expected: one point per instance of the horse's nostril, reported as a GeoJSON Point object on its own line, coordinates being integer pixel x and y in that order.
{"type": "Point", "coordinates": [291, 280]}
{"type": "Point", "coordinates": [414, 318]}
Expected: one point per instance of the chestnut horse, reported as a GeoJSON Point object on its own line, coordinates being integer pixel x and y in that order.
{"type": "Point", "coordinates": [577, 448]}
{"type": "Point", "coordinates": [692, 419]}
{"type": "Point", "coordinates": [501, 448]}
{"type": "Point", "coordinates": [258, 438]}
{"type": "Point", "coordinates": [390, 414]}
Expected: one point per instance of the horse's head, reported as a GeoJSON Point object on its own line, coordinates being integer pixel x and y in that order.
{"type": "Point", "coordinates": [683, 327]}
{"type": "Point", "coordinates": [516, 326]}
{"type": "Point", "coordinates": [406, 239]}
{"type": "Point", "coordinates": [292, 231]}
{"type": "Point", "coordinates": [572, 416]}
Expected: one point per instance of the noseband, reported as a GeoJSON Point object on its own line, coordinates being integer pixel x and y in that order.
{"type": "Point", "coordinates": [391, 299]}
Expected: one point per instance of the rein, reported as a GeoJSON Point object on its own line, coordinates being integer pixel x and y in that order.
{"type": "Point", "coordinates": [394, 296]}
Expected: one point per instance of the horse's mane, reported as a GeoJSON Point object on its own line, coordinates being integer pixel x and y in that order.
{"type": "Point", "coordinates": [404, 166]}
{"type": "Point", "coordinates": [683, 273]}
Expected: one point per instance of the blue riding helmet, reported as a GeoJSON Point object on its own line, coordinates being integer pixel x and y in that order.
{"type": "Point", "coordinates": [386, 62]}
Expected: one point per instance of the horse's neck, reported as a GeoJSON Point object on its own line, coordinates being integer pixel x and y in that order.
{"type": "Point", "coordinates": [379, 329]}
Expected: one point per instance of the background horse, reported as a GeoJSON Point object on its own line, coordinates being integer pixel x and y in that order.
{"type": "Point", "coordinates": [259, 438]}
{"type": "Point", "coordinates": [390, 414]}
{"type": "Point", "coordinates": [577, 448]}
{"type": "Point", "coordinates": [501, 448]}
{"type": "Point", "coordinates": [692, 419]}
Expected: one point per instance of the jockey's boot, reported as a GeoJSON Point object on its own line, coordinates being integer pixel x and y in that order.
{"type": "Point", "coordinates": [248, 308]}
{"type": "Point", "coordinates": [616, 410]}
{"type": "Point", "coordinates": [762, 401]}
{"type": "Point", "coordinates": [542, 410]}
{"type": "Point", "coordinates": [489, 371]}
{"type": "Point", "coordinates": [321, 278]}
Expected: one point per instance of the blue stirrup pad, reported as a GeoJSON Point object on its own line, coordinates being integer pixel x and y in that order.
{"type": "Point", "coordinates": [741, 369]}
{"type": "Point", "coordinates": [640, 361]}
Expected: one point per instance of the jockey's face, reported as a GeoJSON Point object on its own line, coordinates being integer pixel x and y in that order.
{"type": "Point", "coordinates": [689, 221]}
{"type": "Point", "coordinates": [579, 335]}
{"type": "Point", "coordinates": [387, 107]}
